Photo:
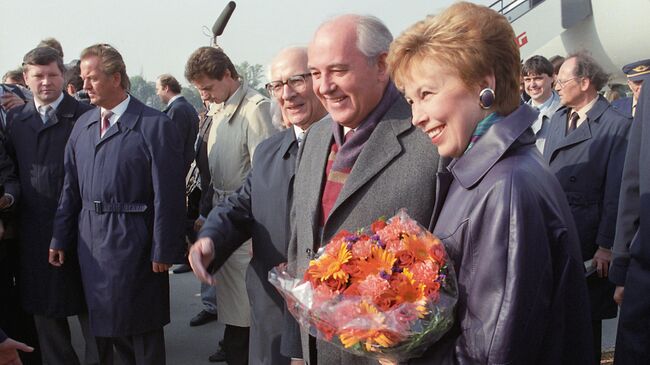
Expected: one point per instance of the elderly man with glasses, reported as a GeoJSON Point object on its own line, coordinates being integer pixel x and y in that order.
{"type": "Point", "coordinates": [260, 208]}
{"type": "Point", "coordinates": [585, 148]}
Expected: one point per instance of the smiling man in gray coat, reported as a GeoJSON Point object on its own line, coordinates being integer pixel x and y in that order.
{"type": "Point", "coordinates": [381, 165]}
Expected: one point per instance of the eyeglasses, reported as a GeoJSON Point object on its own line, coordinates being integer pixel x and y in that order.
{"type": "Point", "coordinates": [562, 83]}
{"type": "Point", "coordinates": [297, 83]}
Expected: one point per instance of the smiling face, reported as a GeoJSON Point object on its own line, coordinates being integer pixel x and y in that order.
{"type": "Point", "coordinates": [345, 82]}
{"type": "Point", "coordinates": [443, 107]}
{"type": "Point", "coordinates": [45, 81]}
{"type": "Point", "coordinates": [539, 87]}
{"type": "Point", "coordinates": [301, 107]}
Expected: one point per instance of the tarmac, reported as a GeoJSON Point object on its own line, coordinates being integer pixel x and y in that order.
{"type": "Point", "coordinates": [187, 345]}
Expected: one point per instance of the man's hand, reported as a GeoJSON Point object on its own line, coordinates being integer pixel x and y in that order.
{"type": "Point", "coordinates": [56, 257]}
{"type": "Point", "coordinates": [200, 256]}
{"type": "Point", "coordinates": [9, 352]}
{"type": "Point", "coordinates": [160, 267]}
{"type": "Point", "coordinates": [297, 362]}
{"type": "Point", "coordinates": [10, 100]}
{"type": "Point", "coordinates": [198, 224]}
{"type": "Point", "coordinates": [618, 294]}
{"type": "Point", "coordinates": [602, 257]}
{"type": "Point", "coordinates": [6, 201]}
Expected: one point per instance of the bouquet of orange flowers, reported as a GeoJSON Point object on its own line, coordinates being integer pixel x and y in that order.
{"type": "Point", "coordinates": [387, 291]}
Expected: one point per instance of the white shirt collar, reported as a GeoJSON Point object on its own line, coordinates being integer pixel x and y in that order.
{"type": "Point", "coordinates": [118, 110]}
{"type": "Point", "coordinates": [583, 111]}
{"type": "Point", "coordinates": [54, 104]}
{"type": "Point", "coordinates": [298, 131]}
{"type": "Point", "coordinates": [173, 98]}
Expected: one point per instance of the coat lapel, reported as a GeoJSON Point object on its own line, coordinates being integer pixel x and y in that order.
{"type": "Point", "coordinates": [65, 111]}
{"type": "Point", "coordinates": [581, 134]}
{"type": "Point", "coordinates": [231, 106]}
{"type": "Point", "coordinates": [128, 120]}
{"type": "Point", "coordinates": [30, 115]}
{"type": "Point", "coordinates": [444, 179]}
{"type": "Point", "coordinates": [316, 146]}
{"type": "Point", "coordinates": [379, 150]}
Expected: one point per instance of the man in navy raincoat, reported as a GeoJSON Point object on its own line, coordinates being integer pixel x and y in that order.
{"type": "Point", "coordinates": [123, 201]}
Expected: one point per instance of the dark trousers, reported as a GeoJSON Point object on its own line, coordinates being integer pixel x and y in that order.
{"type": "Point", "coordinates": [633, 336]}
{"type": "Point", "coordinates": [597, 328]}
{"type": "Point", "coordinates": [144, 349]}
{"type": "Point", "coordinates": [235, 344]}
{"type": "Point", "coordinates": [13, 320]}
{"type": "Point", "coordinates": [55, 340]}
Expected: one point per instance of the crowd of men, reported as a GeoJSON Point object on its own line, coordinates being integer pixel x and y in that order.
{"type": "Point", "coordinates": [102, 194]}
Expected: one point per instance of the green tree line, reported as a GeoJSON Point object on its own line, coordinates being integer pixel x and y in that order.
{"type": "Point", "coordinates": [145, 90]}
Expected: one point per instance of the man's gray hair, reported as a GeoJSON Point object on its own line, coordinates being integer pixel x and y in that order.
{"type": "Point", "coordinates": [373, 37]}
{"type": "Point", "coordinates": [587, 67]}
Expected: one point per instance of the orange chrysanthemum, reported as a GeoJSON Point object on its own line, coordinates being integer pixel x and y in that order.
{"type": "Point", "coordinates": [379, 260]}
{"type": "Point", "coordinates": [378, 336]}
{"type": "Point", "coordinates": [408, 290]}
{"type": "Point", "coordinates": [330, 266]}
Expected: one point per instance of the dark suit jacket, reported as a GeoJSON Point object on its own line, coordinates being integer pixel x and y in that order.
{"type": "Point", "coordinates": [635, 187]}
{"type": "Point", "coordinates": [136, 172]}
{"type": "Point", "coordinates": [624, 105]}
{"type": "Point", "coordinates": [9, 182]}
{"type": "Point", "coordinates": [3, 118]}
{"type": "Point", "coordinates": [396, 169]}
{"type": "Point", "coordinates": [186, 119]}
{"type": "Point", "coordinates": [260, 210]}
{"type": "Point", "coordinates": [631, 263]}
{"type": "Point", "coordinates": [589, 163]}
{"type": "Point", "coordinates": [37, 150]}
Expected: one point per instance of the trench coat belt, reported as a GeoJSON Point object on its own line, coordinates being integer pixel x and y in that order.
{"type": "Point", "coordinates": [111, 207]}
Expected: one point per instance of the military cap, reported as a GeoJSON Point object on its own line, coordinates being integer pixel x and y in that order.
{"type": "Point", "coordinates": [638, 70]}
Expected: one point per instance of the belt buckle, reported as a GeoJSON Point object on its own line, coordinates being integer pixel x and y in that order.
{"type": "Point", "coordinates": [98, 207]}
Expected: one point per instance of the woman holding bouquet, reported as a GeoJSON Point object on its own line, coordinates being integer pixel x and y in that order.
{"type": "Point", "coordinates": [501, 214]}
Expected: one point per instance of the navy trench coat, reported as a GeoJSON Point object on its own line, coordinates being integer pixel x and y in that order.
{"type": "Point", "coordinates": [135, 174]}
{"type": "Point", "coordinates": [589, 164]}
{"type": "Point", "coordinates": [508, 229]}
{"type": "Point", "coordinates": [37, 150]}
{"type": "Point", "coordinates": [631, 265]}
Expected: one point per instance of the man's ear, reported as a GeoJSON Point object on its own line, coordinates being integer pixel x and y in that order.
{"type": "Point", "coordinates": [584, 83]}
{"type": "Point", "coordinates": [116, 78]}
{"type": "Point", "coordinates": [382, 67]}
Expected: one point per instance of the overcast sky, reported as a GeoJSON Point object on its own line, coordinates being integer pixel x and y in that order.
{"type": "Point", "coordinates": [156, 37]}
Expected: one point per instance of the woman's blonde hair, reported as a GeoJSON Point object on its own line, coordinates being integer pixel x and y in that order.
{"type": "Point", "coordinates": [472, 40]}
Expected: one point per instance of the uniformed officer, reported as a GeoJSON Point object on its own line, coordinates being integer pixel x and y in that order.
{"type": "Point", "coordinates": [635, 73]}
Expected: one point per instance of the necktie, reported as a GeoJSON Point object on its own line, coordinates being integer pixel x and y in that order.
{"type": "Point", "coordinates": [573, 122]}
{"type": "Point", "coordinates": [106, 115]}
{"type": "Point", "coordinates": [300, 138]}
{"type": "Point", "coordinates": [49, 114]}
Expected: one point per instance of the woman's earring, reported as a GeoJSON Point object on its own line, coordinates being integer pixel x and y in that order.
{"type": "Point", "coordinates": [486, 98]}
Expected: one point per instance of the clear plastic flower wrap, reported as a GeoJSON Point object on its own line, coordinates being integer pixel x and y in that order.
{"type": "Point", "coordinates": [387, 291]}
